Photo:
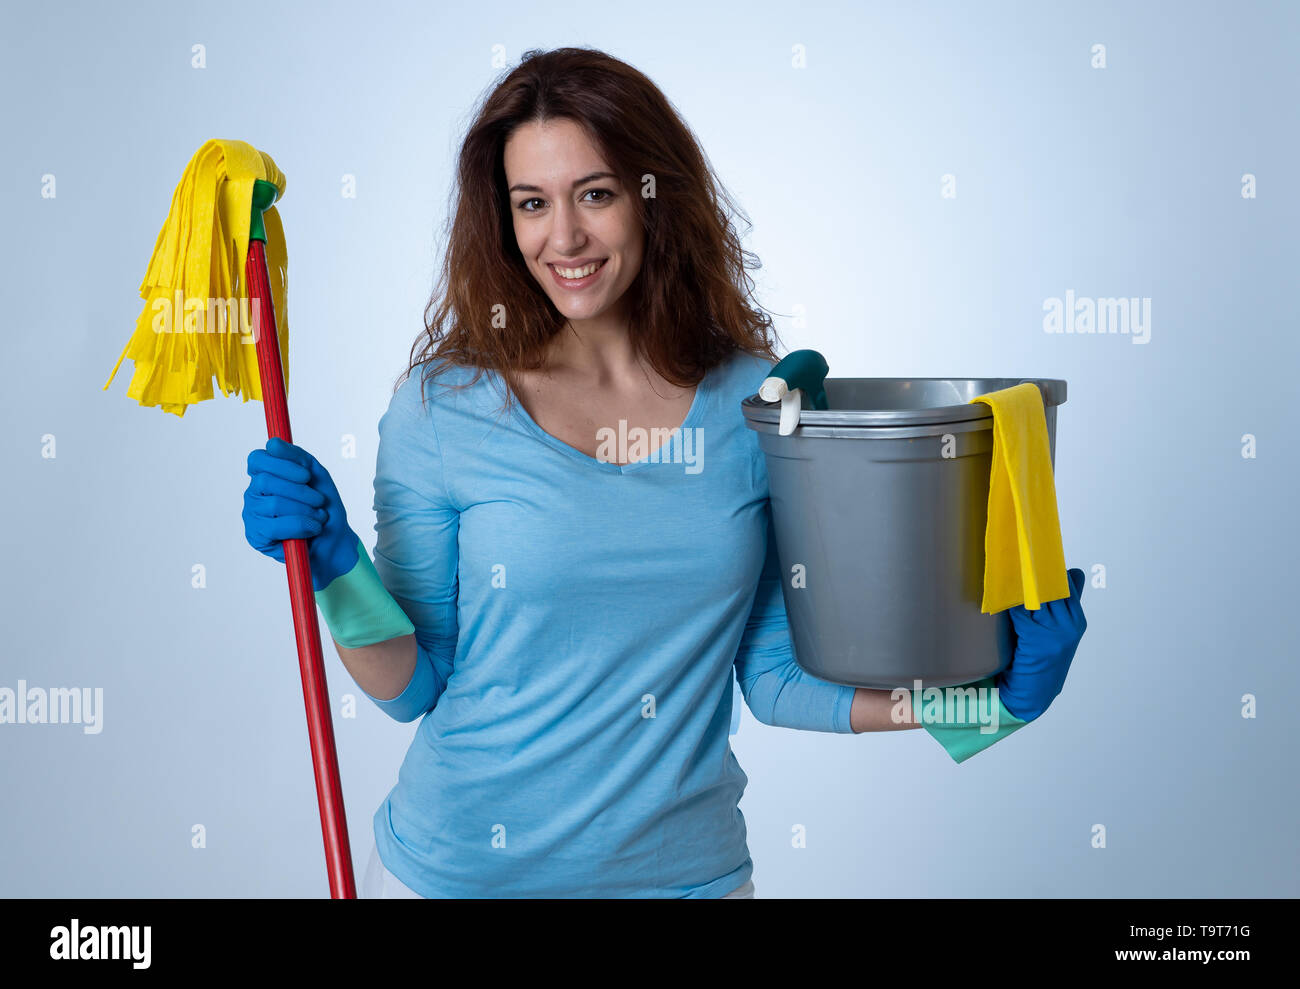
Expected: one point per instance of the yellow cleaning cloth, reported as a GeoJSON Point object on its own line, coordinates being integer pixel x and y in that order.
{"type": "Point", "coordinates": [197, 317]}
{"type": "Point", "coordinates": [1024, 562]}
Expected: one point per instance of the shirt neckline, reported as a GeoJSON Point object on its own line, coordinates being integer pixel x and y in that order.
{"type": "Point", "coordinates": [692, 415]}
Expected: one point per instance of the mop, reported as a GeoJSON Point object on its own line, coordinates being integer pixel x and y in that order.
{"type": "Point", "coordinates": [213, 290]}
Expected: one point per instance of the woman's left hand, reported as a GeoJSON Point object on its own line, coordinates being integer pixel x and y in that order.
{"type": "Point", "coordinates": [1045, 643]}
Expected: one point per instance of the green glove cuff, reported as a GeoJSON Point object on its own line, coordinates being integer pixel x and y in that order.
{"type": "Point", "coordinates": [953, 716]}
{"type": "Point", "coordinates": [358, 608]}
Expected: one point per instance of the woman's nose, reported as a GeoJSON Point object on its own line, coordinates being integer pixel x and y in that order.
{"type": "Point", "coordinates": [566, 230]}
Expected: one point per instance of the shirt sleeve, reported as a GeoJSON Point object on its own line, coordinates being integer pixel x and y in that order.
{"type": "Point", "coordinates": [416, 548]}
{"type": "Point", "coordinates": [777, 690]}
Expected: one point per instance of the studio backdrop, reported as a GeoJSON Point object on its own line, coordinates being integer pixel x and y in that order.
{"type": "Point", "coordinates": [1100, 193]}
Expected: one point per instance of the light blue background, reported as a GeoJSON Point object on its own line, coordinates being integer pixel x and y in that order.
{"type": "Point", "coordinates": [1122, 181]}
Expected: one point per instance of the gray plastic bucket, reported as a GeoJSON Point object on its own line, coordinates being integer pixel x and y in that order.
{"type": "Point", "coordinates": [888, 530]}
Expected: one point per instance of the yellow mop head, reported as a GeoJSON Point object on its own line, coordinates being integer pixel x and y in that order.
{"type": "Point", "coordinates": [197, 318]}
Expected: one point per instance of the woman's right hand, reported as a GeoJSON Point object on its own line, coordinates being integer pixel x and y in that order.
{"type": "Point", "coordinates": [291, 496]}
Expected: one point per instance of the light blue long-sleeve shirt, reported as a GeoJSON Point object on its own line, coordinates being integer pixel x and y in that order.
{"type": "Point", "coordinates": [577, 625]}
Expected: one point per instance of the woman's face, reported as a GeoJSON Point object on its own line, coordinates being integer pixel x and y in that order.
{"type": "Point", "coordinates": [570, 212]}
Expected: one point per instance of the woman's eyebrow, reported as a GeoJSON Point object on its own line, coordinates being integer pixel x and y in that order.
{"type": "Point", "coordinates": [522, 187]}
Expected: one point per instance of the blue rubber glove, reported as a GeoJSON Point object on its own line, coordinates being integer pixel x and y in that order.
{"type": "Point", "coordinates": [291, 496]}
{"type": "Point", "coordinates": [1045, 643]}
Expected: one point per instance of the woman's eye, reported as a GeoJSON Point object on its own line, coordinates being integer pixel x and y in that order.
{"type": "Point", "coordinates": [605, 194]}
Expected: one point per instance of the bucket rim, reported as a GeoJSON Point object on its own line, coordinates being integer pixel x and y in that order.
{"type": "Point", "coordinates": [756, 409]}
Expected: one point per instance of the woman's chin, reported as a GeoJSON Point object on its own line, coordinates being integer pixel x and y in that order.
{"type": "Point", "coordinates": [576, 313]}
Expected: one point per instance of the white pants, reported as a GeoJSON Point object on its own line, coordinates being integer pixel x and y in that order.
{"type": "Point", "coordinates": [380, 884]}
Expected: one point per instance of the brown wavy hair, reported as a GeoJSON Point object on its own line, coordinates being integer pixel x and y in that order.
{"type": "Point", "coordinates": [688, 303]}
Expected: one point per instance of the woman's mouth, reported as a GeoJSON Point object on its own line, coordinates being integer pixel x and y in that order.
{"type": "Point", "coordinates": [577, 278]}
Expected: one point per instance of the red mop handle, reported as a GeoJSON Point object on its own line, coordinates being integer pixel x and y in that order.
{"type": "Point", "coordinates": [315, 693]}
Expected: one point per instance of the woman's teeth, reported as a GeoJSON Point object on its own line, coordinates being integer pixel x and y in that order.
{"type": "Point", "coordinates": [575, 273]}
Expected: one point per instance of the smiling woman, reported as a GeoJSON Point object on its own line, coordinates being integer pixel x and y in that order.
{"type": "Point", "coordinates": [586, 588]}
{"type": "Point", "coordinates": [583, 251]}
{"type": "Point", "coordinates": [576, 158]}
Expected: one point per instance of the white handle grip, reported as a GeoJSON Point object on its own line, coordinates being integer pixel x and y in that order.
{"type": "Point", "coordinates": [791, 402]}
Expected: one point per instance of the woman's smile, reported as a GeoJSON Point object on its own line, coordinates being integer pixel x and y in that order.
{"type": "Point", "coordinates": [578, 278]}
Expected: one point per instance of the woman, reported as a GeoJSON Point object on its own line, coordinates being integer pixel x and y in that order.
{"type": "Point", "coordinates": [574, 545]}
